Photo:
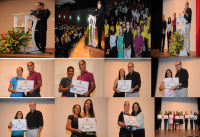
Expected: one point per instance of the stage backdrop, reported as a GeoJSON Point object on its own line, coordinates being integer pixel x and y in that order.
{"type": "Point", "coordinates": [177, 6]}
{"type": "Point", "coordinates": [11, 106]}
{"type": "Point", "coordinates": [44, 66]}
{"type": "Point", "coordinates": [94, 66]}
{"type": "Point", "coordinates": [10, 7]}
{"type": "Point", "coordinates": [116, 105]}
{"type": "Point", "coordinates": [179, 104]}
{"type": "Point", "coordinates": [111, 72]}
{"type": "Point", "coordinates": [191, 65]}
{"type": "Point", "coordinates": [63, 108]}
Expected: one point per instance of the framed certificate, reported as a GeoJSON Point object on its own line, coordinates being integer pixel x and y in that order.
{"type": "Point", "coordinates": [130, 120]}
{"type": "Point", "coordinates": [186, 116]}
{"type": "Point", "coordinates": [170, 82]}
{"type": "Point", "coordinates": [165, 116]}
{"type": "Point", "coordinates": [159, 116]}
{"type": "Point", "coordinates": [87, 124]}
{"type": "Point", "coordinates": [24, 85]}
{"type": "Point", "coordinates": [176, 117]}
{"type": "Point", "coordinates": [124, 85]}
{"type": "Point", "coordinates": [80, 87]}
{"type": "Point", "coordinates": [181, 117]}
{"type": "Point", "coordinates": [19, 124]}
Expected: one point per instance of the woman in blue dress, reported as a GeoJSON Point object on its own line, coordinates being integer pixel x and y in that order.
{"type": "Point", "coordinates": [120, 43]}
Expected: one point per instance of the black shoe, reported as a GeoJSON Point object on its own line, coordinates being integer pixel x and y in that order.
{"type": "Point", "coordinates": [188, 54]}
{"type": "Point", "coordinates": [162, 50]}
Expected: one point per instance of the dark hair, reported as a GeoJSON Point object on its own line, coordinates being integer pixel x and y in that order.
{"type": "Point", "coordinates": [112, 33]}
{"type": "Point", "coordinates": [119, 74]}
{"type": "Point", "coordinates": [187, 2]}
{"type": "Point", "coordinates": [30, 62]}
{"type": "Point", "coordinates": [21, 68]}
{"type": "Point", "coordinates": [83, 61]}
{"type": "Point", "coordinates": [74, 108]}
{"type": "Point", "coordinates": [91, 110]}
{"type": "Point", "coordinates": [170, 20]}
{"type": "Point", "coordinates": [17, 114]}
{"type": "Point", "coordinates": [179, 61]}
{"type": "Point", "coordinates": [166, 73]}
{"type": "Point", "coordinates": [139, 109]}
{"type": "Point", "coordinates": [70, 67]}
{"type": "Point", "coordinates": [41, 4]}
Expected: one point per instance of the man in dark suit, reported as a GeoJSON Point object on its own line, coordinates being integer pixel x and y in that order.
{"type": "Point", "coordinates": [41, 26]}
{"type": "Point", "coordinates": [163, 26]}
{"type": "Point", "coordinates": [99, 22]}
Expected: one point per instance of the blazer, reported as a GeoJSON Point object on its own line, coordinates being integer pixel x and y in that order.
{"type": "Point", "coordinates": [99, 17]}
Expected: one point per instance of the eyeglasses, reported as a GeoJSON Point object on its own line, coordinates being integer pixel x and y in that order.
{"type": "Point", "coordinates": [177, 65]}
{"type": "Point", "coordinates": [130, 67]}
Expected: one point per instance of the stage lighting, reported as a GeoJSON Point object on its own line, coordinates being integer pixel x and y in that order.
{"type": "Point", "coordinates": [70, 17]}
{"type": "Point", "coordinates": [78, 18]}
{"type": "Point", "coordinates": [64, 16]}
{"type": "Point", "coordinates": [59, 16]}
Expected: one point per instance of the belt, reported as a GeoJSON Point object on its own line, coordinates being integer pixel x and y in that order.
{"type": "Point", "coordinates": [187, 23]}
{"type": "Point", "coordinates": [31, 128]}
{"type": "Point", "coordinates": [180, 88]}
{"type": "Point", "coordinates": [135, 91]}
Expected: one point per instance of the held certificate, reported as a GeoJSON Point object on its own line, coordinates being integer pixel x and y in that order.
{"type": "Point", "coordinates": [170, 116]}
{"type": "Point", "coordinates": [130, 120]}
{"type": "Point", "coordinates": [191, 116]}
{"type": "Point", "coordinates": [24, 85]}
{"type": "Point", "coordinates": [195, 117]}
{"type": "Point", "coordinates": [186, 116]}
{"type": "Point", "coordinates": [165, 116]}
{"type": "Point", "coordinates": [80, 87]}
{"type": "Point", "coordinates": [159, 116]}
{"type": "Point", "coordinates": [170, 82]}
{"type": "Point", "coordinates": [124, 85]}
{"type": "Point", "coordinates": [87, 124]}
{"type": "Point", "coordinates": [181, 117]}
{"type": "Point", "coordinates": [176, 117]}
{"type": "Point", "coordinates": [19, 124]}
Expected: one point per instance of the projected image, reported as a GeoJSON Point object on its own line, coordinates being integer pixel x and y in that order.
{"type": "Point", "coordinates": [79, 29]}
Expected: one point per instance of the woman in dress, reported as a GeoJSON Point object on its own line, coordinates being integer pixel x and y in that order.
{"type": "Point", "coordinates": [88, 112]}
{"type": "Point", "coordinates": [72, 122]}
{"type": "Point", "coordinates": [13, 84]}
{"type": "Point", "coordinates": [138, 43]}
{"type": "Point", "coordinates": [120, 43]}
{"type": "Point", "coordinates": [121, 76]}
{"type": "Point", "coordinates": [169, 31]}
{"type": "Point", "coordinates": [113, 47]}
{"type": "Point", "coordinates": [19, 133]}
{"type": "Point", "coordinates": [138, 130]}
{"type": "Point", "coordinates": [166, 92]}
{"type": "Point", "coordinates": [171, 121]}
{"type": "Point", "coordinates": [125, 130]}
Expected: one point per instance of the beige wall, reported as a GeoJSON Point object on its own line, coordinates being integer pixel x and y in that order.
{"type": "Point", "coordinates": [10, 7]}
{"type": "Point", "coordinates": [116, 105]}
{"type": "Point", "coordinates": [63, 108]}
{"type": "Point", "coordinates": [179, 104]}
{"type": "Point", "coordinates": [191, 65]}
{"type": "Point", "coordinates": [44, 66]}
{"type": "Point", "coordinates": [9, 108]}
{"type": "Point", "coordinates": [111, 72]}
{"type": "Point", "coordinates": [94, 66]}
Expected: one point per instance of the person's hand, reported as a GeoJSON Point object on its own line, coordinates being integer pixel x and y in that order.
{"type": "Point", "coordinates": [21, 12]}
{"type": "Point", "coordinates": [95, 16]}
{"type": "Point", "coordinates": [118, 91]}
{"type": "Point", "coordinates": [11, 125]}
{"type": "Point", "coordinates": [31, 91]}
{"type": "Point", "coordinates": [173, 88]}
{"type": "Point", "coordinates": [15, 91]}
{"type": "Point", "coordinates": [125, 51]}
{"type": "Point", "coordinates": [38, 134]}
{"type": "Point", "coordinates": [136, 126]}
{"type": "Point", "coordinates": [130, 91]}
{"type": "Point", "coordinates": [163, 29]}
{"type": "Point", "coordinates": [33, 15]}
{"type": "Point", "coordinates": [71, 86]}
{"type": "Point", "coordinates": [86, 94]}
{"type": "Point", "coordinates": [125, 125]}
{"type": "Point", "coordinates": [136, 55]}
{"type": "Point", "coordinates": [110, 48]}
{"type": "Point", "coordinates": [79, 130]}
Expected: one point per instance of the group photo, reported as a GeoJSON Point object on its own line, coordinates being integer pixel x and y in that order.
{"type": "Point", "coordinates": [78, 78]}
{"type": "Point", "coordinates": [25, 78]}
{"type": "Point", "coordinates": [175, 78]}
{"type": "Point", "coordinates": [177, 117]}
{"type": "Point", "coordinates": [177, 29]}
{"type": "Point", "coordinates": [27, 31]}
{"type": "Point", "coordinates": [127, 28]}
{"type": "Point", "coordinates": [78, 29]}
{"type": "Point", "coordinates": [131, 117]}
{"type": "Point", "coordinates": [83, 117]}
{"type": "Point", "coordinates": [27, 118]}
{"type": "Point", "coordinates": [127, 78]}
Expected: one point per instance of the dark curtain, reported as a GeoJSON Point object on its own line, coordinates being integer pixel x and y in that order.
{"type": "Point", "coordinates": [197, 27]}
{"type": "Point", "coordinates": [154, 72]}
{"type": "Point", "coordinates": [198, 103]}
{"type": "Point", "coordinates": [158, 103]}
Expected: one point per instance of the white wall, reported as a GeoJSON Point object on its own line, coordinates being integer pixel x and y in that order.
{"type": "Point", "coordinates": [63, 108]}
{"type": "Point", "coordinates": [191, 65]}
{"type": "Point", "coordinates": [116, 105]}
{"type": "Point", "coordinates": [9, 108]}
{"type": "Point", "coordinates": [94, 66]}
{"type": "Point", "coordinates": [177, 6]}
{"type": "Point", "coordinates": [111, 72]}
{"type": "Point", "coordinates": [10, 7]}
{"type": "Point", "coordinates": [179, 104]}
{"type": "Point", "coordinates": [44, 66]}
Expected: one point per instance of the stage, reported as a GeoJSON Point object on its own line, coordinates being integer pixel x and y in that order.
{"type": "Point", "coordinates": [177, 133]}
{"type": "Point", "coordinates": [31, 55]}
{"type": "Point", "coordinates": [156, 54]}
{"type": "Point", "coordinates": [86, 51]}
